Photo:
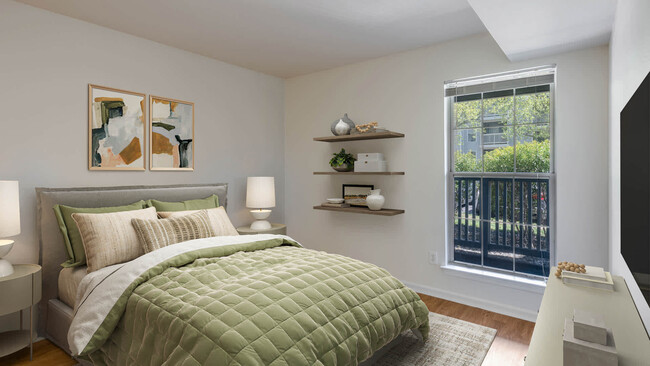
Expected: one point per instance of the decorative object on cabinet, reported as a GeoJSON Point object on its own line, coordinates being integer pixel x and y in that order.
{"type": "Point", "coordinates": [342, 161]}
{"type": "Point", "coordinates": [278, 229]}
{"type": "Point", "coordinates": [355, 194]}
{"type": "Point", "coordinates": [569, 267]}
{"type": "Point", "coordinates": [581, 275]}
{"type": "Point", "coordinates": [590, 273]}
{"type": "Point", "coordinates": [607, 284]}
{"type": "Point", "coordinates": [116, 129]}
{"type": "Point", "coordinates": [171, 129]}
{"type": "Point", "coordinates": [335, 200]}
{"type": "Point", "coordinates": [590, 327]}
{"type": "Point", "coordinates": [375, 200]}
{"type": "Point", "coordinates": [9, 221]}
{"type": "Point", "coordinates": [20, 290]}
{"type": "Point", "coordinates": [580, 352]}
{"type": "Point", "coordinates": [342, 126]}
{"type": "Point", "coordinates": [260, 195]}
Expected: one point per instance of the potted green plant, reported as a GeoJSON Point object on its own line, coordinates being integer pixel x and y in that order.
{"type": "Point", "coordinates": [342, 161]}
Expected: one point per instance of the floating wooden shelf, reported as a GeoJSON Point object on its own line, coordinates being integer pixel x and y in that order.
{"type": "Point", "coordinates": [360, 136]}
{"type": "Point", "coordinates": [362, 210]}
{"type": "Point", "coordinates": [358, 173]}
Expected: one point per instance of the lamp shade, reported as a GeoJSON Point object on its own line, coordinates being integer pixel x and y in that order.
{"type": "Point", "coordinates": [260, 192]}
{"type": "Point", "coordinates": [9, 208]}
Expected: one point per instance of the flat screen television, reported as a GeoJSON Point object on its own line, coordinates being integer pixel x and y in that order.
{"type": "Point", "coordinates": [635, 186]}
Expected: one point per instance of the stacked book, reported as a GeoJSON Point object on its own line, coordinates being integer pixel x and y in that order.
{"type": "Point", "coordinates": [327, 204]}
{"type": "Point", "coordinates": [594, 277]}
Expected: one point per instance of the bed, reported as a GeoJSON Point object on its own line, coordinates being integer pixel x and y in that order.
{"type": "Point", "coordinates": [268, 300]}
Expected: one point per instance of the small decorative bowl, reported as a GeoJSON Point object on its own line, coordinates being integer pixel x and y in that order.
{"type": "Point", "coordinates": [343, 168]}
{"type": "Point", "coordinates": [335, 200]}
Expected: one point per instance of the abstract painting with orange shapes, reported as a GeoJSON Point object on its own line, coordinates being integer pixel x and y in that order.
{"type": "Point", "coordinates": [117, 129]}
{"type": "Point", "coordinates": [172, 134]}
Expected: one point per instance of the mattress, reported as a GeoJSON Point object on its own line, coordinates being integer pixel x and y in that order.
{"type": "Point", "coordinates": [69, 279]}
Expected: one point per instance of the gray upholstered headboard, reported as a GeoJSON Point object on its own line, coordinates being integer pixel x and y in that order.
{"type": "Point", "coordinates": [52, 247]}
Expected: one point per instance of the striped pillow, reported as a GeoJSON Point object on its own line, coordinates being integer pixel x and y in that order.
{"type": "Point", "coordinates": [109, 238]}
{"type": "Point", "coordinates": [159, 233]}
{"type": "Point", "coordinates": [218, 218]}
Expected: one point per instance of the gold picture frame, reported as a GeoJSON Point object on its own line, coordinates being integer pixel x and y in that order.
{"type": "Point", "coordinates": [127, 109]}
{"type": "Point", "coordinates": [171, 134]}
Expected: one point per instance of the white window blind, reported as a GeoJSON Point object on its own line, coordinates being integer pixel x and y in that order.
{"type": "Point", "coordinates": [507, 80]}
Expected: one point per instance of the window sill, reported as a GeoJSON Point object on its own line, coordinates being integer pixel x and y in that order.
{"type": "Point", "coordinates": [495, 278]}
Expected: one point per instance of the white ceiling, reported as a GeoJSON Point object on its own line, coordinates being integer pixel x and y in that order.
{"type": "Point", "coordinates": [281, 37]}
{"type": "Point", "coordinates": [293, 37]}
{"type": "Point", "coordinates": [526, 29]}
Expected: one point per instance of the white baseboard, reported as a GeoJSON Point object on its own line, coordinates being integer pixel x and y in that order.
{"type": "Point", "coordinates": [494, 307]}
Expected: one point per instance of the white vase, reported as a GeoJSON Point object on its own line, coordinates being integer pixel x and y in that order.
{"type": "Point", "coordinates": [375, 200]}
{"type": "Point", "coordinates": [338, 129]}
{"type": "Point", "coordinates": [342, 128]}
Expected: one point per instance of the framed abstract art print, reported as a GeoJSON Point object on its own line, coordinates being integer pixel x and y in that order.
{"type": "Point", "coordinates": [171, 128]}
{"type": "Point", "coordinates": [116, 124]}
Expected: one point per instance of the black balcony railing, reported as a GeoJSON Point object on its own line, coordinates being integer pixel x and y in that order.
{"type": "Point", "coordinates": [502, 223]}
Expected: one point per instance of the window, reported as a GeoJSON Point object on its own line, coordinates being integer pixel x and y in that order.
{"type": "Point", "coordinates": [500, 177]}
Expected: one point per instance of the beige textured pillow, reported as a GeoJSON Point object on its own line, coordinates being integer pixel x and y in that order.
{"type": "Point", "coordinates": [218, 218]}
{"type": "Point", "coordinates": [109, 238]}
{"type": "Point", "coordinates": [157, 233]}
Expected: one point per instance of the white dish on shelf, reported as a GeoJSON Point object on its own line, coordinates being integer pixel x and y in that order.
{"type": "Point", "coordinates": [335, 200]}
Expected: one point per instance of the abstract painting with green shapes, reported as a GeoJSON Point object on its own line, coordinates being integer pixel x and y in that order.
{"type": "Point", "coordinates": [172, 134]}
{"type": "Point", "coordinates": [117, 129]}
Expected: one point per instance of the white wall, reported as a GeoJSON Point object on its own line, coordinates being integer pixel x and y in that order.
{"type": "Point", "coordinates": [629, 65]}
{"type": "Point", "coordinates": [46, 63]}
{"type": "Point", "coordinates": [404, 92]}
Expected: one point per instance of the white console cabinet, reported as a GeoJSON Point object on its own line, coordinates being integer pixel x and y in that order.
{"type": "Point", "coordinates": [617, 309]}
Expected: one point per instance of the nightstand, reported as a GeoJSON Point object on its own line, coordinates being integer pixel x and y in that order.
{"type": "Point", "coordinates": [279, 229]}
{"type": "Point", "coordinates": [19, 291]}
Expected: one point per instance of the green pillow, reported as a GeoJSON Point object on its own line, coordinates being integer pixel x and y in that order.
{"type": "Point", "coordinates": [200, 204]}
{"type": "Point", "coordinates": [71, 235]}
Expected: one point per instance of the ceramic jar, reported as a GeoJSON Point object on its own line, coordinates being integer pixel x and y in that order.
{"type": "Point", "coordinates": [375, 200]}
{"type": "Point", "coordinates": [342, 126]}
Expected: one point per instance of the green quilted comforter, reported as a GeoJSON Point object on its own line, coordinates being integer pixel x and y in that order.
{"type": "Point", "coordinates": [261, 300]}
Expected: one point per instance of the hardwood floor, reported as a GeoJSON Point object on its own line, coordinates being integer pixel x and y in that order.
{"type": "Point", "coordinates": [509, 347]}
{"type": "Point", "coordinates": [45, 353]}
{"type": "Point", "coordinates": [513, 335]}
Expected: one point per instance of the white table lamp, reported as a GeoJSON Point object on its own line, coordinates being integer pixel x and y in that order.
{"type": "Point", "coordinates": [9, 222]}
{"type": "Point", "coordinates": [260, 195]}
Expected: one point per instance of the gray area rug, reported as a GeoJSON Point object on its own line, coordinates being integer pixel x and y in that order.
{"type": "Point", "coordinates": [451, 342]}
